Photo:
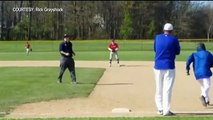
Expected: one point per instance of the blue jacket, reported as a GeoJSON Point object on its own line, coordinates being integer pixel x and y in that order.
{"type": "Point", "coordinates": [166, 47]}
{"type": "Point", "coordinates": [202, 62]}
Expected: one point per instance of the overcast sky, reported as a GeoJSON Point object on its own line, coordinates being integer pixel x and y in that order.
{"type": "Point", "coordinates": [204, 2]}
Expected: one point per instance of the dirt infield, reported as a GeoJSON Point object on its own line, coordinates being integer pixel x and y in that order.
{"type": "Point", "coordinates": [130, 86]}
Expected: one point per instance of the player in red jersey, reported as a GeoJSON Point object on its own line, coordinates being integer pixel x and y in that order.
{"type": "Point", "coordinates": [113, 48]}
{"type": "Point", "coordinates": [28, 47]}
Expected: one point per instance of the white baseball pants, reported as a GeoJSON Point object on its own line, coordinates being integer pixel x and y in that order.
{"type": "Point", "coordinates": [205, 84]}
{"type": "Point", "coordinates": [164, 83]}
{"type": "Point", "coordinates": [27, 51]}
{"type": "Point", "coordinates": [113, 54]}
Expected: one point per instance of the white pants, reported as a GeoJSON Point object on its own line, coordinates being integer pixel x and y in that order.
{"type": "Point", "coordinates": [27, 50]}
{"type": "Point", "coordinates": [205, 84]}
{"type": "Point", "coordinates": [113, 54]}
{"type": "Point", "coordinates": [164, 83]}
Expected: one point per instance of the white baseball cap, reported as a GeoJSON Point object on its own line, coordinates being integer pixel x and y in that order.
{"type": "Point", "coordinates": [168, 26]}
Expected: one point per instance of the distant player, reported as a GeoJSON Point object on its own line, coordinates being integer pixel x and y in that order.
{"type": "Point", "coordinates": [202, 62]}
{"type": "Point", "coordinates": [113, 48]}
{"type": "Point", "coordinates": [28, 48]}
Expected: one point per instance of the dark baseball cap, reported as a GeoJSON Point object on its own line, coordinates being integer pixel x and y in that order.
{"type": "Point", "coordinates": [67, 35]}
{"type": "Point", "coordinates": [201, 45]}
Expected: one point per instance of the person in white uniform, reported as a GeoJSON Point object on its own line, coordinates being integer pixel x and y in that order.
{"type": "Point", "coordinates": [166, 47]}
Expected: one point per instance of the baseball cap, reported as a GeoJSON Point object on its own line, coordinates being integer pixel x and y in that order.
{"type": "Point", "coordinates": [201, 45]}
{"type": "Point", "coordinates": [66, 35]}
{"type": "Point", "coordinates": [168, 26]}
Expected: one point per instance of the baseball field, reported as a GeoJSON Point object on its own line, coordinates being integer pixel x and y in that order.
{"type": "Point", "coordinates": [29, 89]}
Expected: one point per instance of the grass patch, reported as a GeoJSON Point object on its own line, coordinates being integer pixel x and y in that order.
{"type": "Point", "coordinates": [32, 84]}
{"type": "Point", "coordinates": [91, 55]}
{"type": "Point", "coordinates": [89, 50]}
{"type": "Point", "coordinates": [123, 118]}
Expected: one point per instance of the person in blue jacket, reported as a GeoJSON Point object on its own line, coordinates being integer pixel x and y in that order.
{"type": "Point", "coordinates": [166, 47]}
{"type": "Point", "coordinates": [202, 62]}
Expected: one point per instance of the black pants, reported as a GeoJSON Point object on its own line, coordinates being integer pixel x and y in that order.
{"type": "Point", "coordinates": [67, 62]}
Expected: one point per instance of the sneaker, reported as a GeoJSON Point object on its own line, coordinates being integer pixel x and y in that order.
{"type": "Point", "coordinates": [59, 81]}
{"type": "Point", "coordinates": [74, 82]}
{"type": "Point", "coordinates": [203, 100]}
{"type": "Point", "coordinates": [169, 114]}
{"type": "Point", "coordinates": [160, 112]}
{"type": "Point", "coordinates": [207, 103]}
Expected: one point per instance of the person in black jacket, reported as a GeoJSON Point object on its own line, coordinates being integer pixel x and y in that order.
{"type": "Point", "coordinates": [66, 51]}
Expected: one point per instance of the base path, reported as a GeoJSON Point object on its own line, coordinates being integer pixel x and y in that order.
{"type": "Point", "coordinates": [129, 90]}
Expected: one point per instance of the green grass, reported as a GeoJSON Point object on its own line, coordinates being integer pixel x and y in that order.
{"type": "Point", "coordinates": [32, 84]}
{"type": "Point", "coordinates": [123, 118]}
{"type": "Point", "coordinates": [26, 84]}
{"type": "Point", "coordinates": [91, 55]}
{"type": "Point", "coordinates": [89, 50]}
{"type": "Point", "coordinates": [95, 45]}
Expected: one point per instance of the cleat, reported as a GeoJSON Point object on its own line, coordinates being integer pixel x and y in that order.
{"type": "Point", "coordinates": [208, 103]}
{"type": "Point", "coordinates": [169, 114]}
{"type": "Point", "coordinates": [59, 81]}
{"type": "Point", "coordinates": [203, 100]}
{"type": "Point", "coordinates": [160, 112]}
{"type": "Point", "coordinates": [74, 82]}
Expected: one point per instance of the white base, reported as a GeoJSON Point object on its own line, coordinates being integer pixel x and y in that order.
{"type": "Point", "coordinates": [121, 110]}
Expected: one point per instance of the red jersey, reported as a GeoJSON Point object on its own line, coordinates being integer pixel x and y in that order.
{"type": "Point", "coordinates": [27, 45]}
{"type": "Point", "coordinates": [113, 46]}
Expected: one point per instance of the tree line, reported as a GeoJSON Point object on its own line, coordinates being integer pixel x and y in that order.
{"type": "Point", "coordinates": [49, 20]}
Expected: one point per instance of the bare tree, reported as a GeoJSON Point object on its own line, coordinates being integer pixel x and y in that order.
{"type": "Point", "coordinates": [210, 16]}
{"type": "Point", "coordinates": [2, 18]}
{"type": "Point", "coordinates": [30, 21]}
